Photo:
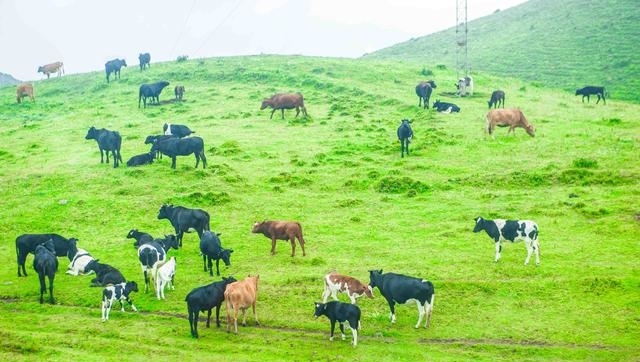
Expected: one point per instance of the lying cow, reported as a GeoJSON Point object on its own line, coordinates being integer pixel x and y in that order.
{"type": "Point", "coordinates": [510, 117]}
{"type": "Point", "coordinates": [445, 107]}
{"type": "Point", "coordinates": [24, 90]}
{"type": "Point", "coordinates": [284, 101]}
{"type": "Point", "coordinates": [78, 259]}
{"type": "Point", "coordinates": [334, 283]}
{"type": "Point", "coordinates": [512, 230]}
{"type": "Point", "coordinates": [141, 159]}
{"type": "Point", "coordinates": [340, 312]}
{"type": "Point", "coordinates": [281, 230]}
{"type": "Point", "coordinates": [119, 292]}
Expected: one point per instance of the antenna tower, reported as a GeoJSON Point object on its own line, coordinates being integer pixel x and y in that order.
{"type": "Point", "coordinates": [462, 65]}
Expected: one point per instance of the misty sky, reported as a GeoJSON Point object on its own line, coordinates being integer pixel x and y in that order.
{"type": "Point", "coordinates": [84, 34]}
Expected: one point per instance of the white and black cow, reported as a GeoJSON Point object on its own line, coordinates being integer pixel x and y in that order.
{"type": "Point", "coordinates": [166, 271]}
{"type": "Point", "coordinates": [150, 254]}
{"type": "Point", "coordinates": [398, 288]}
{"type": "Point", "coordinates": [120, 292]}
{"type": "Point", "coordinates": [340, 312]}
{"type": "Point", "coordinates": [334, 283]}
{"type": "Point", "coordinates": [78, 259]}
{"type": "Point", "coordinates": [512, 230]}
{"type": "Point", "coordinates": [177, 130]}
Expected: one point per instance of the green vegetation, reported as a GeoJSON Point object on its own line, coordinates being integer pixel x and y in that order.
{"type": "Point", "coordinates": [561, 44]}
{"type": "Point", "coordinates": [362, 207]}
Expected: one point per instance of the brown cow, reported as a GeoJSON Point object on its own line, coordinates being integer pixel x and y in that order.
{"type": "Point", "coordinates": [179, 92]}
{"type": "Point", "coordinates": [24, 90]}
{"type": "Point", "coordinates": [281, 230]}
{"type": "Point", "coordinates": [284, 101]}
{"type": "Point", "coordinates": [241, 295]}
{"type": "Point", "coordinates": [47, 69]}
{"type": "Point", "coordinates": [334, 283]}
{"type": "Point", "coordinates": [510, 117]}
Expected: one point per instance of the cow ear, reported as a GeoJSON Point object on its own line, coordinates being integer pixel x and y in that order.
{"type": "Point", "coordinates": [230, 251]}
{"type": "Point", "coordinates": [218, 234]}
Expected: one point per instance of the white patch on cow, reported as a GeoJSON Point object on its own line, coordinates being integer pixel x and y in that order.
{"type": "Point", "coordinates": [79, 263]}
{"type": "Point", "coordinates": [167, 132]}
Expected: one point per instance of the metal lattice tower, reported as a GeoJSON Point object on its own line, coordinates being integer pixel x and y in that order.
{"type": "Point", "coordinates": [462, 64]}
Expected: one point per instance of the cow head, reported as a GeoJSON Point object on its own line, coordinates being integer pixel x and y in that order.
{"type": "Point", "coordinates": [170, 241]}
{"type": "Point", "coordinates": [530, 130]}
{"type": "Point", "coordinates": [320, 309]}
{"type": "Point", "coordinates": [131, 287]}
{"type": "Point", "coordinates": [165, 210]}
{"type": "Point", "coordinates": [257, 227]}
{"type": "Point", "coordinates": [479, 224]}
{"type": "Point", "coordinates": [265, 103]}
{"type": "Point", "coordinates": [374, 278]}
{"type": "Point", "coordinates": [432, 84]}
{"type": "Point", "coordinates": [225, 255]}
{"type": "Point", "coordinates": [91, 134]}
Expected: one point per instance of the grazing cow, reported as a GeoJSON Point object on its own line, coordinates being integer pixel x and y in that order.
{"type": "Point", "coordinates": [141, 159]}
{"type": "Point", "coordinates": [45, 264]}
{"type": "Point", "coordinates": [281, 230]}
{"type": "Point", "coordinates": [510, 117]}
{"type": "Point", "coordinates": [398, 288]}
{"type": "Point", "coordinates": [145, 60]}
{"type": "Point", "coordinates": [27, 243]}
{"type": "Point", "coordinates": [177, 130]}
{"type": "Point", "coordinates": [105, 274]}
{"type": "Point", "coordinates": [241, 295]}
{"type": "Point", "coordinates": [179, 92]}
{"type": "Point", "coordinates": [340, 312]}
{"type": "Point", "coordinates": [119, 292]}
{"type": "Point", "coordinates": [423, 91]}
{"type": "Point", "coordinates": [284, 101]}
{"type": "Point", "coordinates": [108, 141]}
{"type": "Point", "coordinates": [24, 90]}
{"type": "Point", "coordinates": [405, 134]}
{"type": "Point", "coordinates": [465, 86]}
{"type": "Point", "coordinates": [174, 147]}
{"type": "Point", "coordinates": [151, 254]}
{"type": "Point", "coordinates": [513, 230]}
{"type": "Point", "coordinates": [211, 249]}
{"type": "Point", "coordinates": [152, 91]}
{"type": "Point", "coordinates": [497, 98]}
{"type": "Point", "coordinates": [165, 273]}
{"type": "Point", "coordinates": [78, 259]}
{"type": "Point", "coordinates": [205, 298]}
{"type": "Point", "coordinates": [445, 107]}
{"type": "Point", "coordinates": [592, 90]}
{"type": "Point", "coordinates": [334, 283]}
{"type": "Point", "coordinates": [150, 140]}
{"type": "Point", "coordinates": [140, 237]}
{"type": "Point", "coordinates": [113, 66]}
{"type": "Point", "coordinates": [184, 220]}
{"type": "Point", "coordinates": [56, 67]}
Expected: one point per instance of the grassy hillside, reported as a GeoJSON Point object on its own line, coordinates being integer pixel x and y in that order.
{"type": "Point", "coordinates": [560, 44]}
{"type": "Point", "coordinates": [362, 207]}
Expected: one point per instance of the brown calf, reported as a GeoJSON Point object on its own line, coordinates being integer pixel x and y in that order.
{"type": "Point", "coordinates": [24, 90]}
{"type": "Point", "coordinates": [179, 92]}
{"type": "Point", "coordinates": [334, 283]}
{"type": "Point", "coordinates": [284, 101]}
{"type": "Point", "coordinates": [510, 117]}
{"type": "Point", "coordinates": [47, 69]}
{"type": "Point", "coordinates": [241, 295]}
{"type": "Point", "coordinates": [281, 230]}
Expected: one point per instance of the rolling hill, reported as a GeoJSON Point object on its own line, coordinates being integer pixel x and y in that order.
{"type": "Point", "coordinates": [560, 44]}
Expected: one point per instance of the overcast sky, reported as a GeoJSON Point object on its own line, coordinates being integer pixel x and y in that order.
{"type": "Point", "coordinates": [84, 34]}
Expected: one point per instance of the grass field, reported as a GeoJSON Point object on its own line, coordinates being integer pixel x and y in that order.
{"type": "Point", "coordinates": [362, 207]}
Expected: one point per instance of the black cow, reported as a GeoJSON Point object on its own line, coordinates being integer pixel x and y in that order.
{"type": "Point", "coordinates": [140, 237]}
{"type": "Point", "coordinates": [150, 140]}
{"type": "Point", "coordinates": [212, 249]}
{"type": "Point", "coordinates": [592, 90]}
{"type": "Point", "coordinates": [405, 133]}
{"type": "Point", "coordinates": [107, 141]}
{"type": "Point", "coordinates": [152, 91]}
{"type": "Point", "coordinates": [497, 98]}
{"type": "Point", "coordinates": [206, 298]}
{"type": "Point", "coordinates": [113, 66]}
{"type": "Point", "coordinates": [151, 253]}
{"type": "Point", "coordinates": [423, 91]}
{"type": "Point", "coordinates": [183, 219]}
{"type": "Point", "coordinates": [27, 243]}
{"type": "Point", "coordinates": [445, 107]}
{"type": "Point", "coordinates": [176, 130]}
{"type": "Point", "coordinates": [340, 312]}
{"type": "Point", "coordinates": [512, 230]}
{"type": "Point", "coordinates": [142, 159]}
{"type": "Point", "coordinates": [105, 274]}
{"type": "Point", "coordinates": [398, 288]}
{"type": "Point", "coordinates": [145, 60]}
{"type": "Point", "coordinates": [174, 147]}
{"type": "Point", "coordinates": [45, 264]}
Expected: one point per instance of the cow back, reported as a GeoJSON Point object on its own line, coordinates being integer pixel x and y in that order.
{"type": "Point", "coordinates": [242, 294]}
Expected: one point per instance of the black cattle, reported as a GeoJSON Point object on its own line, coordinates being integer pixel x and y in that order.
{"type": "Point", "coordinates": [27, 243]}
{"type": "Point", "coordinates": [590, 91]}
{"type": "Point", "coordinates": [176, 130]}
{"type": "Point", "coordinates": [512, 230]}
{"type": "Point", "coordinates": [150, 254]}
{"type": "Point", "coordinates": [140, 237]}
{"type": "Point", "coordinates": [205, 298]}
{"type": "Point", "coordinates": [152, 91]}
{"type": "Point", "coordinates": [150, 140]}
{"type": "Point", "coordinates": [120, 292]}
{"type": "Point", "coordinates": [423, 91]}
{"type": "Point", "coordinates": [108, 141]}
{"type": "Point", "coordinates": [340, 312]}
{"type": "Point", "coordinates": [45, 264]}
{"type": "Point", "coordinates": [113, 66]}
{"type": "Point", "coordinates": [174, 147]}
{"type": "Point", "coordinates": [183, 219]}
{"type": "Point", "coordinates": [142, 159]}
{"type": "Point", "coordinates": [405, 133]}
{"type": "Point", "coordinates": [497, 98]}
{"type": "Point", "coordinates": [105, 274]}
{"type": "Point", "coordinates": [445, 107]}
{"type": "Point", "coordinates": [398, 288]}
{"type": "Point", "coordinates": [212, 249]}
{"type": "Point", "coordinates": [145, 60]}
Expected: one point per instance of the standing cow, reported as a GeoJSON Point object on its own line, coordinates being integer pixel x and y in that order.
{"type": "Point", "coordinates": [405, 134]}
{"type": "Point", "coordinates": [185, 220]}
{"type": "Point", "coordinates": [281, 230]}
{"type": "Point", "coordinates": [340, 312]}
{"type": "Point", "coordinates": [284, 101]}
{"type": "Point", "coordinates": [423, 91]}
{"type": "Point", "coordinates": [592, 90]}
{"type": "Point", "coordinates": [24, 90]}
{"type": "Point", "coordinates": [108, 141]}
{"type": "Point", "coordinates": [497, 98]}
{"type": "Point", "coordinates": [512, 230]}
{"type": "Point", "coordinates": [510, 117]}
{"type": "Point", "coordinates": [114, 66]}
{"type": "Point", "coordinates": [145, 60]}
{"type": "Point", "coordinates": [56, 67]}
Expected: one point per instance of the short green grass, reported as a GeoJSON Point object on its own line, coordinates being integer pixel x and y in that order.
{"type": "Point", "coordinates": [362, 207]}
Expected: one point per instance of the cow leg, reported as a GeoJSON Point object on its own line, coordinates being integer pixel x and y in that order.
{"type": "Point", "coordinates": [282, 110]}
{"type": "Point", "coordinates": [498, 249]}
{"type": "Point", "coordinates": [421, 312]}
{"type": "Point", "coordinates": [208, 318]}
{"type": "Point", "coordinates": [106, 308]}
{"type": "Point", "coordinates": [326, 293]}
{"type": "Point", "coordinates": [210, 265]}
{"type": "Point", "coordinates": [301, 242]}
{"type": "Point", "coordinates": [272, 111]}
{"type": "Point", "coordinates": [392, 308]}
{"type": "Point", "coordinates": [342, 331]}
{"type": "Point", "coordinates": [217, 315]}
{"type": "Point", "coordinates": [293, 246]}
{"type": "Point", "coordinates": [193, 322]}
{"type": "Point", "coordinates": [255, 315]}
{"type": "Point", "coordinates": [536, 249]}
{"type": "Point", "coordinates": [146, 280]}
{"type": "Point", "coordinates": [204, 262]}
{"type": "Point", "coordinates": [218, 267]}
{"type": "Point", "coordinates": [43, 287]}
{"type": "Point", "coordinates": [133, 307]}
{"type": "Point", "coordinates": [179, 235]}
{"type": "Point", "coordinates": [297, 112]}
{"type": "Point", "coordinates": [204, 159]}
{"type": "Point", "coordinates": [528, 243]}
{"type": "Point", "coordinates": [333, 327]}
{"type": "Point", "coordinates": [273, 246]}
{"type": "Point", "coordinates": [197, 155]}
{"type": "Point", "coordinates": [51, 299]}
{"type": "Point", "coordinates": [354, 333]}
{"type": "Point", "coordinates": [173, 162]}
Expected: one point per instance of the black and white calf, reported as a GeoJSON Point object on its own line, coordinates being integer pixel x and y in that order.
{"type": "Point", "coordinates": [512, 230]}
{"type": "Point", "coordinates": [212, 249]}
{"type": "Point", "coordinates": [445, 107]}
{"type": "Point", "coordinates": [150, 254]}
{"type": "Point", "coordinates": [119, 292]}
{"type": "Point", "coordinates": [340, 312]}
{"type": "Point", "coordinates": [140, 237]}
{"type": "Point", "coordinates": [78, 259]}
{"type": "Point", "coordinates": [177, 130]}
{"type": "Point", "coordinates": [398, 288]}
